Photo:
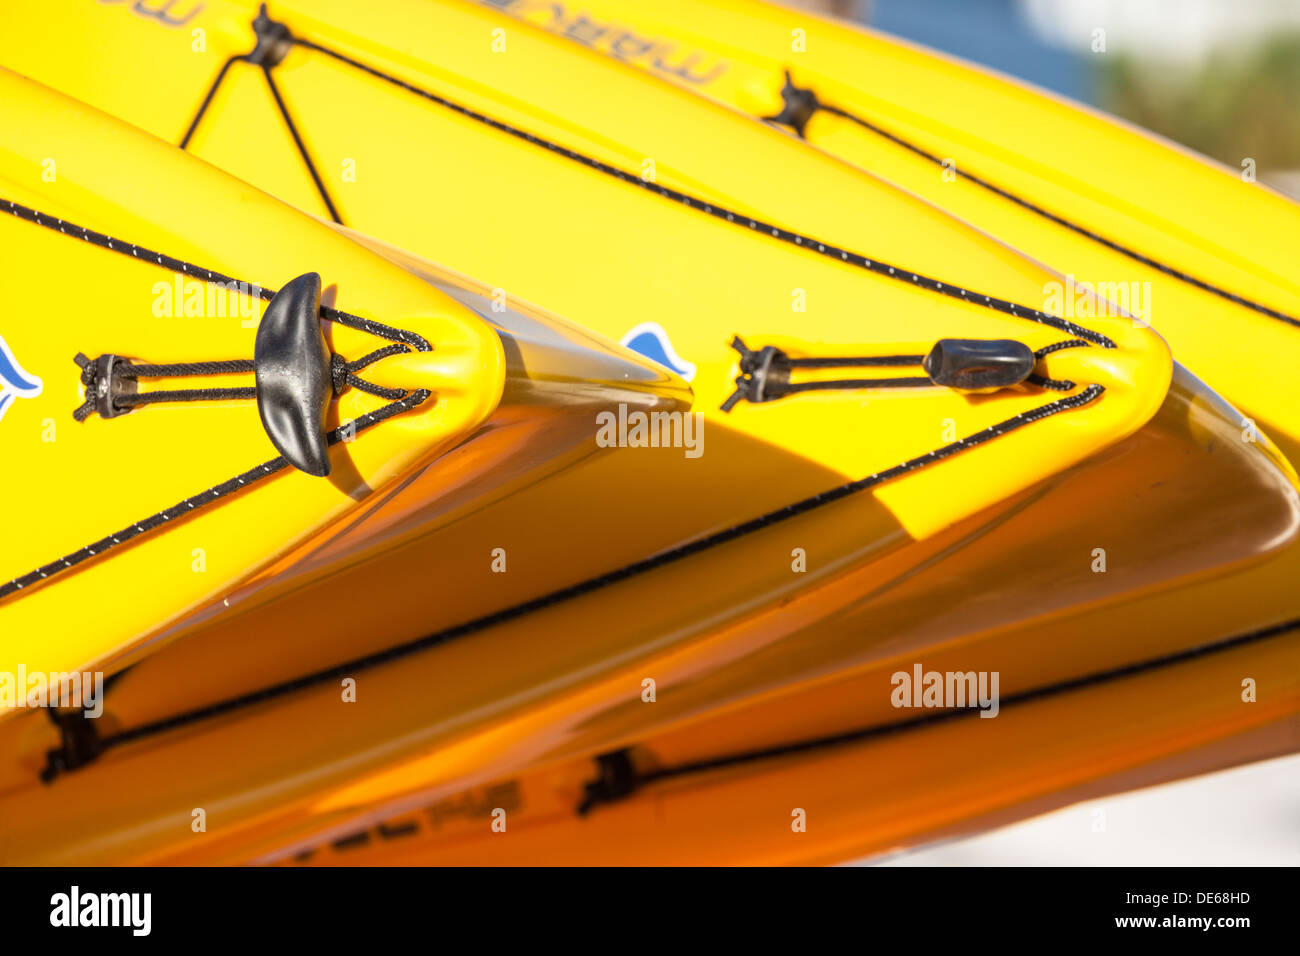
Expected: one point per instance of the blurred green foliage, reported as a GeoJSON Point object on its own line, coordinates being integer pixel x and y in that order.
{"type": "Point", "coordinates": [1237, 104]}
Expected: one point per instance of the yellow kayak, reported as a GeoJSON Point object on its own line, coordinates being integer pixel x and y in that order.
{"type": "Point", "coordinates": [572, 706]}
{"type": "Point", "coordinates": [528, 442]}
{"type": "Point", "coordinates": [780, 247]}
{"type": "Point", "coordinates": [1102, 202]}
{"type": "Point", "coordinates": [445, 700]}
{"type": "Point", "coordinates": [972, 288]}
{"type": "Point", "coordinates": [837, 797]}
{"type": "Point", "coordinates": [146, 420]}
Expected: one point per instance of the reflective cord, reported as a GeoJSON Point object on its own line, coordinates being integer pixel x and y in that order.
{"type": "Point", "coordinates": [110, 381]}
{"type": "Point", "coordinates": [275, 37]}
{"type": "Point", "coordinates": [401, 401]}
{"type": "Point", "coordinates": [801, 104]}
{"type": "Point", "coordinates": [59, 757]}
{"type": "Point", "coordinates": [618, 778]}
{"type": "Point", "coordinates": [302, 147]}
{"type": "Point", "coordinates": [272, 44]}
{"type": "Point", "coordinates": [191, 504]}
{"type": "Point", "coordinates": [377, 329]}
{"type": "Point", "coordinates": [897, 273]}
{"type": "Point", "coordinates": [981, 365]}
{"type": "Point", "coordinates": [765, 374]}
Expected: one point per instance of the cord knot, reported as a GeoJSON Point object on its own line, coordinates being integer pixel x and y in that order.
{"type": "Point", "coordinates": [764, 374]}
{"type": "Point", "coordinates": [109, 382]}
{"type": "Point", "coordinates": [338, 373]}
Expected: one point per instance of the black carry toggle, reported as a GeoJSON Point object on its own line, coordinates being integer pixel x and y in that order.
{"type": "Point", "coordinates": [964, 364]}
{"type": "Point", "coordinates": [295, 378]}
{"type": "Point", "coordinates": [975, 364]}
{"type": "Point", "coordinates": [292, 367]}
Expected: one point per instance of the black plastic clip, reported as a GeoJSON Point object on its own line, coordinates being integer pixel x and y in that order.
{"type": "Point", "coordinates": [273, 40]}
{"type": "Point", "coordinates": [107, 380]}
{"type": "Point", "coordinates": [763, 374]}
{"type": "Point", "coordinates": [80, 744]}
{"type": "Point", "coordinates": [797, 107]}
{"type": "Point", "coordinates": [618, 778]}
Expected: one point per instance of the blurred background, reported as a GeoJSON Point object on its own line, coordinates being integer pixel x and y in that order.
{"type": "Point", "coordinates": [1245, 816]}
{"type": "Point", "coordinates": [1223, 78]}
{"type": "Point", "coordinates": [1219, 76]}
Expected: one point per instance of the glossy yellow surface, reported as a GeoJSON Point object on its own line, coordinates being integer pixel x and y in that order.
{"type": "Point", "coordinates": [604, 253]}
{"type": "Point", "coordinates": [69, 484]}
{"type": "Point", "coordinates": [762, 654]}
{"type": "Point", "coordinates": [1215, 223]}
{"type": "Point", "coordinates": [861, 798]}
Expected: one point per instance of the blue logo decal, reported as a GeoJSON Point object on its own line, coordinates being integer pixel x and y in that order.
{"type": "Point", "coordinates": [14, 382]}
{"type": "Point", "coordinates": [650, 340]}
